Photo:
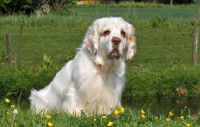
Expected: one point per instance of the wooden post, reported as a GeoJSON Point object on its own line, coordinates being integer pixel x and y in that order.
{"type": "Point", "coordinates": [19, 56]}
{"type": "Point", "coordinates": [171, 2]}
{"type": "Point", "coordinates": [195, 45]}
{"type": "Point", "coordinates": [9, 49]}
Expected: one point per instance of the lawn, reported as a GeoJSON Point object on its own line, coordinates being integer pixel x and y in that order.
{"type": "Point", "coordinates": [162, 64]}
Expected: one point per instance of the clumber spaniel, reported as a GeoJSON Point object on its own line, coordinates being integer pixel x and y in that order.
{"type": "Point", "coordinates": [93, 81]}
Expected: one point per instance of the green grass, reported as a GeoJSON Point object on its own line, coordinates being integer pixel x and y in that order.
{"type": "Point", "coordinates": [162, 63]}
{"type": "Point", "coordinates": [130, 118]}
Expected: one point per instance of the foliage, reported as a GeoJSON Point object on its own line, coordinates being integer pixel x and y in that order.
{"type": "Point", "coordinates": [16, 81]}
{"type": "Point", "coordinates": [47, 62]}
{"type": "Point", "coordinates": [130, 117]}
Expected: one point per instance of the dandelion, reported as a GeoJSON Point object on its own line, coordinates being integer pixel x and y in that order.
{"type": "Point", "coordinates": [95, 119]}
{"type": "Point", "coordinates": [48, 117]}
{"type": "Point", "coordinates": [116, 112]}
{"type": "Point", "coordinates": [110, 124]}
{"type": "Point", "coordinates": [187, 125]}
{"type": "Point", "coordinates": [143, 116]}
{"type": "Point", "coordinates": [103, 117]}
{"type": "Point", "coordinates": [87, 102]}
{"type": "Point", "coordinates": [49, 124]}
{"type": "Point", "coordinates": [168, 119]}
{"type": "Point", "coordinates": [121, 109]}
{"type": "Point", "coordinates": [182, 117]}
{"type": "Point", "coordinates": [7, 100]}
{"type": "Point", "coordinates": [15, 112]}
{"type": "Point", "coordinates": [156, 118]}
{"type": "Point", "coordinates": [12, 106]}
{"type": "Point", "coordinates": [142, 111]}
{"type": "Point", "coordinates": [171, 114]}
{"type": "Point", "coordinates": [8, 113]}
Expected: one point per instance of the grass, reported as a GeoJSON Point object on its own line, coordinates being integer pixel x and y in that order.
{"type": "Point", "coordinates": [119, 118]}
{"type": "Point", "coordinates": [162, 63]}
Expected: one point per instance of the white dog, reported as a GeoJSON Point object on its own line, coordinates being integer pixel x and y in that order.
{"type": "Point", "coordinates": [93, 81]}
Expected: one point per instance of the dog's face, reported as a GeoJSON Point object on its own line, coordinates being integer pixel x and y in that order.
{"type": "Point", "coordinates": [111, 37]}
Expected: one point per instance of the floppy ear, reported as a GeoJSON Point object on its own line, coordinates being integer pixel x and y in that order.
{"type": "Point", "coordinates": [131, 43]}
{"type": "Point", "coordinates": [92, 37]}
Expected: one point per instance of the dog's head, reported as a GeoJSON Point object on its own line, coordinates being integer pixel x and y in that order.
{"type": "Point", "coordinates": [112, 38]}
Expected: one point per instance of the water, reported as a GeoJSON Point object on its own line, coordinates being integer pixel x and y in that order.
{"type": "Point", "coordinates": [191, 106]}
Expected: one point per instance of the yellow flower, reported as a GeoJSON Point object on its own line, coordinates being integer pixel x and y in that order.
{"type": "Point", "coordinates": [142, 111]}
{"type": "Point", "coordinates": [50, 124]}
{"type": "Point", "coordinates": [182, 117]}
{"type": "Point", "coordinates": [103, 117]}
{"type": "Point", "coordinates": [121, 109]}
{"type": "Point", "coordinates": [87, 102]}
{"type": "Point", "coordinates": [7, 100]}
{"type": "Point", "coordinates": [48, 117]}
{"type": "Point", "coordinates": [95, 119]}
{"type": "Point", "coordinates": [116, 112]}
{"type": "Point", "coordinates": [187, 125]}
{"type": "Point", "coordinates": [156, 118]}
{"type": "Point", "coordinates": [143, 116]}
{"type": "Point", "coordinates": [168, 119]}
{"type": "Point", "coordinates": [8, 113]}
{"type": "Point", "coordinates": [110, 124]}
{"type": "Point", "coordinates": [185, 106]}
{"type": "Point", "coordinates": [12, 106]}
{"type": "Point", "coordinates": [171, 114]}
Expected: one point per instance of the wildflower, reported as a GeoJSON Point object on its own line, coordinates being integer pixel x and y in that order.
{"type": "Point", "coordinates": [182, 117]}
{"type": "Point", "coordinates": [121, 109]}
{"type": "Point", "coordinates": [171, 114]}
{"type": "Point", "coordinates": [15, 111]}
{"type": "Point", "coordinates": [185, 106]}
{"type": "Point", "coordinates": [142, 111]}
{"type": "Point", "coordinates": [95, 119]}
{"type": "Point", "coordinates": [8, 113]}
{"type": "Point", "coordinates": [116, 112]}
{"type": "Point", "coordinates": [7, 100]}
{"type": "Point", "coordinates": [156, 118]}
{"type": "Point", "coordinates": [48, 117]}
{"type": "Point", "coordinates": [103, 117]}
{"type": "Point", "coordinates": [143, 116]}
{"type": "Point", "coordinates": [12, 106]}
{"type": "Point", "coordinates": [49, 124]}
{"type": "Point", "coordinates": [168, 119]}
{"type": "Point", "coordinates": [110, 124]}
{"type": "Point", "coordinates": [187, 125]}
{"type": "Point", "coordinates": [87, 102]}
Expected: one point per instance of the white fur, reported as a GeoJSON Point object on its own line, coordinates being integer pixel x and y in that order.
{"type": "Point", "coordinates": [91, 76]}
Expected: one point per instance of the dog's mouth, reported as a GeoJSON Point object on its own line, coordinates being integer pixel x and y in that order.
{"type": "Point", "coordinates": [114, 54]}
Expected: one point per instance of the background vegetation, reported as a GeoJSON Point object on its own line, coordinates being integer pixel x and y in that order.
{"type": "Point", "coordinates": [161, 69]}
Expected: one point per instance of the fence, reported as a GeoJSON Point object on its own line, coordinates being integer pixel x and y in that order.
{"type": "Point", "coordinates": [157, 48]}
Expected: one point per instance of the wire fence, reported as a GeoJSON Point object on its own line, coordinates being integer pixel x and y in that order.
{"type": "Point", "coordinates": [156, 48]}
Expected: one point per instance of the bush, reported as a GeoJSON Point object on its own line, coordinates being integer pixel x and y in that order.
{"type": "Point", "coordinates": [16, 81]}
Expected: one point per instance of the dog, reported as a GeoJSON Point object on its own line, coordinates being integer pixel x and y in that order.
{"type": "Point", "coordinates": [94, 80]}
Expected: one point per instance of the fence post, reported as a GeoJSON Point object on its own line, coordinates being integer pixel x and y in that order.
{"type": "Point", "coordinates": [195, 45]}
{"type": "Point", "coordinates": [19, 56]}
{"type": "Point", "coordinates": [9, 49]}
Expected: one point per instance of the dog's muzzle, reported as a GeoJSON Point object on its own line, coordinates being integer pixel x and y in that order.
{"type": "Point", "coordinates": [115, 48]}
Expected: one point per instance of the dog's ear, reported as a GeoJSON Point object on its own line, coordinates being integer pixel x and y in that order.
{"type": "Point", "coordinates": [92, 37]}
{"type": "Point", "coordinates": [131, 43]}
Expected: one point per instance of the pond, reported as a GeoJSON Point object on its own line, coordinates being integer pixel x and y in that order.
{"type": "Point", "coordinates": [163, 107]}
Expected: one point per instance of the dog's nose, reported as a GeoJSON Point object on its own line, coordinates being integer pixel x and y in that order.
{"type": "Point", "coordinates": [116, 40]}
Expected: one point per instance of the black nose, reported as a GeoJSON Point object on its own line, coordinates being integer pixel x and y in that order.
{"type": "Point", "coordinates": [116, 40]}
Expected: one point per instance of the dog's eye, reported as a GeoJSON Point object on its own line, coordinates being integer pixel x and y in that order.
{"type": "Point", "coordinates": [107, 32]}
{"type": "Point", "coordinates": [123, 33]}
